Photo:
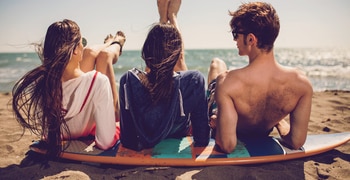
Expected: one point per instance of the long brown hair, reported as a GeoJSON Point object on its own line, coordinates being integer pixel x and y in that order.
{"type": "Point", "coordinates": [161, 51]}
{"type": "Point", "coordinates": [37, 96]}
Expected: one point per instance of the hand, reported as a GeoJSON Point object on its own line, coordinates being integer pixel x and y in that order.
{"type": "Point", "coordinates": [283, 127]}
{"type": "Point", "coordinates": [212, 121]}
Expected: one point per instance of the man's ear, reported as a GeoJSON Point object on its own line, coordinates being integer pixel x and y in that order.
{"type": "Point", "coordinates": [251, 38]}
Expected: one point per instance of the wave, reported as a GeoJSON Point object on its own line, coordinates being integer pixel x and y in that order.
{"type": "Point", "coordinates": [327, 68]}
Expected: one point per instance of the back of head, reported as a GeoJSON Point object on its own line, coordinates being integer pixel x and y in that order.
{"type": "Point", "coordinates": [161, 51]}
{"type": "Point", "coordinates": [258, 18]}
{"type": "Point", "coordinates": [37, 96]}
{"type": "Point", "coordinates": [62, 37]}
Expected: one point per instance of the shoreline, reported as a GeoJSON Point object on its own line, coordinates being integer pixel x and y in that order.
{"type": "Point", "coordinates": [330, 114]}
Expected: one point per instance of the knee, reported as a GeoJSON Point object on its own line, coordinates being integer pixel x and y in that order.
{"type": "Point", "coordinates": [217, 63]}
{"type": "Point", "coordinates": [106, 55]}
{"type": "Point", "coordinates": [91, 52]}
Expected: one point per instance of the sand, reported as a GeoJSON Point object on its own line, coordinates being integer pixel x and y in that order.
{"type": "Point", "coordinates": [330, 114]}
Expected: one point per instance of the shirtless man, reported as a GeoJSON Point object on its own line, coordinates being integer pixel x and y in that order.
{"type": "Point", "coordinates": [251, 101]}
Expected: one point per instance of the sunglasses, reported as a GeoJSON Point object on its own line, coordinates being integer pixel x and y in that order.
{"type": "Point", "coordinates": [84, 41]}
{"type": "Point", "coordinates": [235, 33]}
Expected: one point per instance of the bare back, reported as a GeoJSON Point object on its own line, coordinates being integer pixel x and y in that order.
{"type": "Point", "coordinates": [254, 99]}
{"type": "Point", "coordinates": [262, 100]}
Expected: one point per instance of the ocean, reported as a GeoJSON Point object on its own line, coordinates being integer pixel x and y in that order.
{"type": "Point", "coordinates": [327, 68]}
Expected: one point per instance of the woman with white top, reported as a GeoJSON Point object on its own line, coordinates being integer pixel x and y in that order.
{"type": "Point", "coordinates": [67, 96]}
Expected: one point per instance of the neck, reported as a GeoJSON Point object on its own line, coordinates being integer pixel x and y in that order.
{"type": "Point", "coordinates": [260, 55]}
{"type": "Point", "coordinates": [72, 71]}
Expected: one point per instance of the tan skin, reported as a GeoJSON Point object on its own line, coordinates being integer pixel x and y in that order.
{"type": "Point", "coordinates": [168, 10]}
{"type": "Point", "coordinates": [259, 96]}
{"type": "Point", "coordinates": [73, 67]}
{"type": "Point", "coordinates": [99, 57]}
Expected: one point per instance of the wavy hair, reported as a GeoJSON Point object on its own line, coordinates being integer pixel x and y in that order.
{"type": "Point", "coordinates": [161, 51]}
{"type": "Point", "coordinates": [37, 96]}
{"type": "Point", "coordinates": [258, 18]}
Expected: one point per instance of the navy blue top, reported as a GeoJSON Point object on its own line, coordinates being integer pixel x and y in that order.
{"type": "Point", "coordinates": [144, 124]}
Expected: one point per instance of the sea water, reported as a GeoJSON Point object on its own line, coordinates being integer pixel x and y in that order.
{"type": "Point", "coordinates": [327, 68]}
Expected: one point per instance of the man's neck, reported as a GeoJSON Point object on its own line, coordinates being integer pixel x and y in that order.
{"type": "Point", "coordinates": [260, 55]}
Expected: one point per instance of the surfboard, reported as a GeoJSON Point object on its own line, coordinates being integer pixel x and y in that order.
{"type": "Point", "coordinates": [181, 152]}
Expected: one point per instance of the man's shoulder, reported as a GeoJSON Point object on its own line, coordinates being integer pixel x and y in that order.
{"type": "Point", "coordinates": [299, 76]}
{"type": "Point", "coordinates": [231, 76]}
{"type": "Point", "coordinates": [230, 81]}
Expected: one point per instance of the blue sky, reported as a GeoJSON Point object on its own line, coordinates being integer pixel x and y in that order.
{"type": "Point", "coordinates": [204, 23]}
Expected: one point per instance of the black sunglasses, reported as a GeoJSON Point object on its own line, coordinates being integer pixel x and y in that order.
{"type": "Point", "coordinates": [235, 33]}
{"type": "Point", "coordinates": [84, 41]}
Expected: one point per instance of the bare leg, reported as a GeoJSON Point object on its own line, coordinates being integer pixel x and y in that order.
{"type": "Point", "coordinates": [217, 67]}
{"type": "Point", "coordinates": [168, 10]}
{"type": "Point", "coordinates": [104, 64]}
{"type": "Point", "coordinates": [163, 10]}
{"type": "Point", "coordinates": [90, 54]}
{"type": "Point", "coordinates": [173, 9]}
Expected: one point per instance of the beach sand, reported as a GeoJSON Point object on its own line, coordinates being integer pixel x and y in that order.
{"type": "Point", "coordinates": [330, 114]}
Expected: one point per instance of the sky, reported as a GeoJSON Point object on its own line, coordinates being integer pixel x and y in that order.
{"type": "Point", "coordinates": [204, 23]}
